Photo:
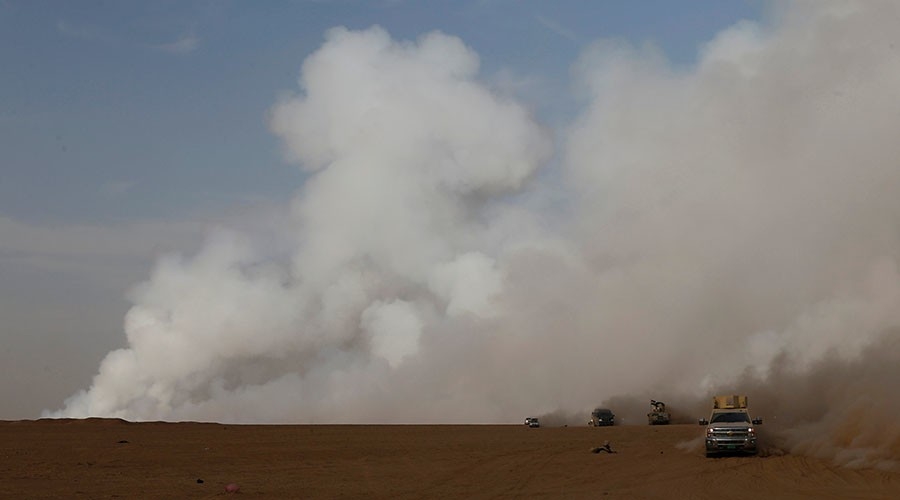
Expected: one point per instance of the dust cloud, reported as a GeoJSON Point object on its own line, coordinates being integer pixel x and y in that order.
{"type": "Point", "coordinates": [731, 226]}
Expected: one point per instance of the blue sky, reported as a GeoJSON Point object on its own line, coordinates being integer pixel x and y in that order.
{"type": "Point", "coordinates": [120, 110]}
{"type": "Point", "coordinates": [128, 128]}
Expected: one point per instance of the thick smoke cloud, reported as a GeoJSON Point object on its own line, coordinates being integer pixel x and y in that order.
{"type": "Point", "coordinates": [733, 225]}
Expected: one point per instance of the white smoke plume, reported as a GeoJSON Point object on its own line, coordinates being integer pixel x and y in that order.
{"type": "Point", "coordinates": [694, 228]}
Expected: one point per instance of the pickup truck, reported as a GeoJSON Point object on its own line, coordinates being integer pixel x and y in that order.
{"type": "Point", "coordinates": [730, 429]}
{"type": "Point", "coordinates": [601, 417]}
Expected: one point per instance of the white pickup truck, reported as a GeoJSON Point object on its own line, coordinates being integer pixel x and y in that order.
{"type": "Point", "coordinates": [730, 429]}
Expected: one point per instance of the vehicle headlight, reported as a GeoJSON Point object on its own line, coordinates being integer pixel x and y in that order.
{"type": "Point", "coordinates": [751, 431]}
{"type": "Point", "coordinates": [709, 432]}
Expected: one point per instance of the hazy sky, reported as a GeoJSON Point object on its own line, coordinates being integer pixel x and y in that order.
{"type": "Point", "coordinates": [129, 129]}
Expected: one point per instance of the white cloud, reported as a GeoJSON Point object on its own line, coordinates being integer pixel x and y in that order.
{"type": "Point", "coordinates": [556, 27]}
{"type": "Point", "coordinates": [184, 45]}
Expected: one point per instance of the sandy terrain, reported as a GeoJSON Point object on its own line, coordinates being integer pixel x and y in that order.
{"type": "Point", "coordinates": [97, 458]}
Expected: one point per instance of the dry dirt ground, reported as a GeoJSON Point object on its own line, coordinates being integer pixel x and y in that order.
{"type": "Point", "coordinates": [97, 458]}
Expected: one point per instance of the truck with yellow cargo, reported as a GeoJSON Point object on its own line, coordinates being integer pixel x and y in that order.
{"type": "Point", "coordinates": [730, 428]}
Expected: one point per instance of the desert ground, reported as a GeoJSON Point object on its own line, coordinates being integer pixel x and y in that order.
{"type": "Point", "coordinates": [109, 458]}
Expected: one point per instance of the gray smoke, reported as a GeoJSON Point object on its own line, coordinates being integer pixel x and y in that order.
{"type": "Point", "coordinates": [692, 230]}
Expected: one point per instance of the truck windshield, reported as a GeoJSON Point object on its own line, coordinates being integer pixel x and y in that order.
{"type": "Point", "coordinates": [730, 417]}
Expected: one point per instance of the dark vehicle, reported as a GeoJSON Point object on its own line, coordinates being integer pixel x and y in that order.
{"type": "Point", "coordinates": [534, 422]}
{"type": "Point", "coordinates": [601, 417]}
